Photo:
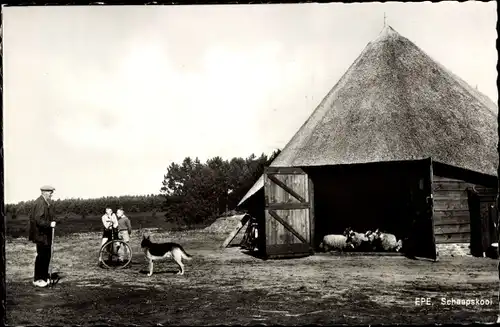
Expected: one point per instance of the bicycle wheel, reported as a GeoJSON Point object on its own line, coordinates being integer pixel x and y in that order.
{"type": "Point", "coordinates": [115, 254]}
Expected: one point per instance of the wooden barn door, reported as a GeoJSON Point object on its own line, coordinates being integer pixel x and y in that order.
{"type": "Point", "coordinates": [422, 238]}
{"type": "Point", "coordinates": [476, 244]}
{"type": "Point", "coordinates": [483, 213]}
{"type": "Point", "coordinates": [289, 214]}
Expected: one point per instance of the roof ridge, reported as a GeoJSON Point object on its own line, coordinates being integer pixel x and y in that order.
{"type": "Point", "coordinates": [386, 33]}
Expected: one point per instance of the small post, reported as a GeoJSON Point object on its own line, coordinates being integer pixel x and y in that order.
{"type": "Point", "coordinates": [384, 18]}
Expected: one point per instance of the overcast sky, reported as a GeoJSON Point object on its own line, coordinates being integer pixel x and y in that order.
{"type": "Point", "coordinates": [98, 101]}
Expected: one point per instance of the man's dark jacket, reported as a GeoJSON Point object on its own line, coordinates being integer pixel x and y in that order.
{"type": "Point", "coordinates": [40, 217]}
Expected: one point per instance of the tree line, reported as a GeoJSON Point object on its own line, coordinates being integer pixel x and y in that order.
{"type": "Point", "coordinates": [191, 192]}
{"type": "Point", "coordinates": [87, 207]}
{"type": "Point", "coordinates": [196, 191]}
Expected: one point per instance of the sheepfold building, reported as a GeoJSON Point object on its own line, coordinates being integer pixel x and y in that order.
{"type": "Point", "coordinates": [399, 144]}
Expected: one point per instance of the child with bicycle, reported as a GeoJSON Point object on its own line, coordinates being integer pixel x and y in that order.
{"type": "Point", "coordinates": [110, 223]}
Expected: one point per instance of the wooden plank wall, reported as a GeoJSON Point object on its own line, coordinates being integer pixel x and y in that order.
{"type": "Point", "coordinates": [451, 210]}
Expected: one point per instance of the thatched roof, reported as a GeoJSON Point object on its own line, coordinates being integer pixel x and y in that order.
{"type": "Point", "coordinates": [395, 103]}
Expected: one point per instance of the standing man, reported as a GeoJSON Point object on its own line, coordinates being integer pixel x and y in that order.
{"type": "Point", "coordinates": [40, 233]}
{"type": "Point", "coordinates": [124, 229]}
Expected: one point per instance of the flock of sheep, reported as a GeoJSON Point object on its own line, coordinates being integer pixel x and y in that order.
{"type": "Point", "coordinates": [368, 242]}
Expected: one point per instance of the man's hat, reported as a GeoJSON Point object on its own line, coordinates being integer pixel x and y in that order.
{"type": "Point", "coordinates": [47, 188]}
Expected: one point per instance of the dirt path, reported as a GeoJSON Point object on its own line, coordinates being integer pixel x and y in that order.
{"type": "Point", "coordinates": [228, 287]}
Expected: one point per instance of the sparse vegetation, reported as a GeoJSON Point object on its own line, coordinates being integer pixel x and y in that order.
{"type": "Point", "coordinates": [228, 287]}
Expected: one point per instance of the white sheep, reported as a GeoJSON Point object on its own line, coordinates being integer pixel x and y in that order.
{"type": "Point", "coordinates": [386, 242]}
{"type": "Point", "coordinates": [358, 241]}
{"type": "Point", "coordinates": [334, 242]}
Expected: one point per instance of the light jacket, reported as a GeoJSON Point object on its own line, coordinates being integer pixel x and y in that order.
{"type": "Point", "coordinates": [109, 221]}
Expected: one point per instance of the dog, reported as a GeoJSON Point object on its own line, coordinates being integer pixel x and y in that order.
{"type": "Point", "coordinates": [162, 251]}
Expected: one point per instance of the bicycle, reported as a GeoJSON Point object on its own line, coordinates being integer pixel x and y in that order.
{"type": "Point", "coordinates": [109, 253]}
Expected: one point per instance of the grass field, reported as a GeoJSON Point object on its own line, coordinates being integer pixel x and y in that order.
{"type": "Point", "coordinates": [227, 286]}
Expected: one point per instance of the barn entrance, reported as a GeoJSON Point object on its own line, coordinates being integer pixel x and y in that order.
{"type": "Point", "coordinates": [392, 197]}
{"type": "Point", "coordinates": [362, 199]}
{"type": "Point", "coordinates": [483, 220]}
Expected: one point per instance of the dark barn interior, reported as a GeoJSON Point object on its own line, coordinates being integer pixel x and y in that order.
{"type": "Point", "coordinates": [364, 197]}
{"type": "Point", "coordinates": [255, 207]}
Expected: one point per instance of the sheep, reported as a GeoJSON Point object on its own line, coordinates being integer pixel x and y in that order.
{"type": "Point", "coordinates": [334, 242]}
{"type": "Point", "coordinates": [358, 241]}
{"type": "Point", "coordinates": [347, 231]}
{"type": "Point", "coordinates": [385, 241]}
{"type": "Point", "coordinates": [371, 239]}
{"type": "Point", "coordinates": [374, 239]}
{"type": "Point", "coordinates": [399, 246]}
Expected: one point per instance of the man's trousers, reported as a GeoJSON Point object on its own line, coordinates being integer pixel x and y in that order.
{"type": "Point", "coordinates": [42, 262]}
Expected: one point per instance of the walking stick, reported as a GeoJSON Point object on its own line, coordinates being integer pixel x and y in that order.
{"type": "Point", "coordinates": [51, 254]}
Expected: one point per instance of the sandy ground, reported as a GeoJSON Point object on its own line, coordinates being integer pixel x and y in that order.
{"type": "Point", "coordinates": [227, 286]}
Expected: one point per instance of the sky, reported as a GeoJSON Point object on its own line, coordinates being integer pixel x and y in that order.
{"type": "Point", "coordinates": [99, 101]}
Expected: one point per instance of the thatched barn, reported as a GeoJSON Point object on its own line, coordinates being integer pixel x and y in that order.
{"type": "Point", "coordinates": [395, 145]}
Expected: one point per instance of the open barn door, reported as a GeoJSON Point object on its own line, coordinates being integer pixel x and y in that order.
{"type": "Point", "coordinates": [483, 215]}
{"type": "Point", "coordinates": [289, 214]}
{"type": "Point", "coordinates": [422, 242]}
